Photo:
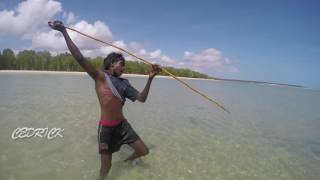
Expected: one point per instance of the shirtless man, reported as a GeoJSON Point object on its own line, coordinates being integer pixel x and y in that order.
{"type": "Point", "coordinates": [114, 130]}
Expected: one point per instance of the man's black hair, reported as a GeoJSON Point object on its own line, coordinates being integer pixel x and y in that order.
{"type": "Point", "coordinates": [112, 58]}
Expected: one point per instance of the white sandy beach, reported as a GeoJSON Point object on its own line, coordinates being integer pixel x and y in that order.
{"type": "Point", "coordinates": [84, 73]}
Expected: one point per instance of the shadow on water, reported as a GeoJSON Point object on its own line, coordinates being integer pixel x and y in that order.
{"type": "Point", "coordinates": [121, 169]}
{"type": "Point", "coordinates": [315, 150]}
{"type": "Point", "coordinates": [193, 121]}
{"type": "Point", "coordinates": [308, 148]}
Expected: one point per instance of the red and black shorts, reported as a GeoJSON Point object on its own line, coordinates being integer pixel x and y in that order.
{"type": "Point", "coordinates": [110, 139]}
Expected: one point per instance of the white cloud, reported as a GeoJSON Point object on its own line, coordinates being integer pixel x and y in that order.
{"type": "Point", "coordinates": [53, 40]}
{"type": "Point", "coordinates": [28, 17]}
{"type": "Point", "coordinates": [208, 60]}
{"type": "Point", "coordinates": [70, 17]}
{"type": "Point", "coordinates": [120, 44]}
{"type": "Point", "coordinates": [167, 60]}
{"type": "Point", "coordinates": [98, 29]}
{"type": "Point", "coordinates": [101, 51]}
{"type": "Point", "coordinates": [155, 54]}
{"type": "Point", "coordinates": [142, 52]}
{"type": "Point", "coordinates": [29, 20]}
{"type": "Point", "coordinates": [135, 46]}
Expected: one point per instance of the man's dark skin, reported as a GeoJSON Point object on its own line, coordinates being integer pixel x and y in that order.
{"type": "Point", "coordinates": [111, 106]}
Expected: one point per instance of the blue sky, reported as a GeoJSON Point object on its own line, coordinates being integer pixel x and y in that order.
{"type": "Point", "coordinates": [274, 41]}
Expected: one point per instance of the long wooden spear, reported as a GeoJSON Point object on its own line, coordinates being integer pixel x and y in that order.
{"type": "Point", "coordinates": [147, 62]}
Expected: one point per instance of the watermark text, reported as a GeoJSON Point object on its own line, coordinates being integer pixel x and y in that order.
{"type": "Point", "coordinates": [29, 132]}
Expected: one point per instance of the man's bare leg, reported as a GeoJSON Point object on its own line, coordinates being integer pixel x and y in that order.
{"type": "Point", "coordinates": [140, 149]}
{"type": "Point", "coordinates": [105, 165]}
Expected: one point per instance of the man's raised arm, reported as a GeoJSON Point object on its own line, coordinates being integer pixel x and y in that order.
{"type": "Point", "coordinates": [144, 94]}
{"type": "Point", "coordinates": [84, 63]}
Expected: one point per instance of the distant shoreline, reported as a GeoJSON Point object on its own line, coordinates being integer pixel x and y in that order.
{"type": "Point", "coordinates": [261, 82]}
{"type": "Point", "coordinates": [84, 73]}
{"type": "Point", "coordinates": [159, 76]}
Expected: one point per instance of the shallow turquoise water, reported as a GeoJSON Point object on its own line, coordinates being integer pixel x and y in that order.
{"type": "Point", "coordinates": [271, 133]}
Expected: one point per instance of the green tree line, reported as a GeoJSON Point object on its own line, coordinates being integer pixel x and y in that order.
{"type": "Point", "coordinates": [43, 60]}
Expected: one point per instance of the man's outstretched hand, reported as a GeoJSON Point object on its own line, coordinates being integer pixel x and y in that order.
{"type": "Point", "coordinates": [156, 69]}
{"type": "Point", "coordinates": [56, 25]}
